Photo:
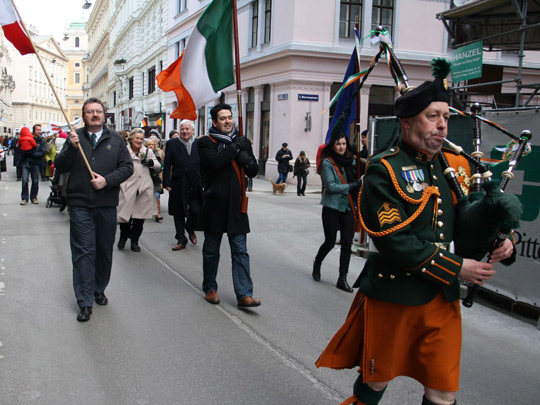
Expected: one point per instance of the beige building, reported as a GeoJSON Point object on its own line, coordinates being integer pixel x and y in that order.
{"type": "Point", "coordinates": [33, 99]}
{"type": "Point", "coordinates": [75, 47]}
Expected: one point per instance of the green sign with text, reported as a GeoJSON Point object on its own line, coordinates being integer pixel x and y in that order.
{"type": "Point", "coordinates": [467, 62]}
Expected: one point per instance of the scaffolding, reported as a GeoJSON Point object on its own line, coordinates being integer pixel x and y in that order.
{"type": "Point", "coordinates": [502, 25]}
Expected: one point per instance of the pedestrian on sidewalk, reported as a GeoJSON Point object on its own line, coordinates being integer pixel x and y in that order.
{"type": "Point", "coordinates": [137, 200]}
{"type": "Point", "coordinates": [301, 172]}
{"type": "Point", "coordinates": [182, 178]}
{"type": "Point", "coordinates": [223, 152]}
{"type": "Point", "coordinates": [153, 143]}
{"type": "Point", "coordinates": [93, 202]}
{"type": "Point", "coordinates": [338, 172]}
{"type": "Point", "coordinates": [283, 157]}
{"type": "Point", "coordinates": [30, 161]}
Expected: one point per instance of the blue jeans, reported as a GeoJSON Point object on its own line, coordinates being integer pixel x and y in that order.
{"type": "Point", "coordinates": [30, 170]}
{"type": "Point", "coordinates": [92, 232]}
{"type": "Point", "coordinates": [282, 178]}
{"type": "Point", "coordinates": [243, 286]}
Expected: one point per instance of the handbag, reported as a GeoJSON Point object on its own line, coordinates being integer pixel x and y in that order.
{"type": "Point", "coordinates": [290, 168]}
{"type": "Point", "coordinates": [155, 177]}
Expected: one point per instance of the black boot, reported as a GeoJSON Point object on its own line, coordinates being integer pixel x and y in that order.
{"type": "Point", "coordinates": [135, 246]}
{"type": "Point", "coordinates": [342, 283]}
{"type": "Point", "coordinates": [316, 271]}
{"type": "Point", "coordinates": [122, 243]}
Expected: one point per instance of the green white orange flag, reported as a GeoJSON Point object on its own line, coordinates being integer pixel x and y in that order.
{"type": "Point", "coordinates": [206, 65]}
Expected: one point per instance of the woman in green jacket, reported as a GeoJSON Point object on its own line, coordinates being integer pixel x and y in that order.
{"type": "Point", "coordinates": [338, 172]}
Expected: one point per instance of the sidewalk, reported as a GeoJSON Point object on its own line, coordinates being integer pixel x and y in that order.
{"type": "Point", "coordinates": [264, 186]}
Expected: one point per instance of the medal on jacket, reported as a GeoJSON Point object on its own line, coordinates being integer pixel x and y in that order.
{"type": "Point", "coordinates": [414, 179]}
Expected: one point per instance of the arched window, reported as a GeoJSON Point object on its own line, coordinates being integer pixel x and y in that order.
{"type": "Point", "coordinates": [76, 42]}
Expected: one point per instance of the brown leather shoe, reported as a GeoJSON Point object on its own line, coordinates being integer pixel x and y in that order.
{"type": "Point", "coordinates": [212, 297]}
{"type": "Point", "coordinates": [248, 302]}
{"type": "Point", "coordinates": [178, 247]}
{"type": "Point", "coordinates": [193, 238]}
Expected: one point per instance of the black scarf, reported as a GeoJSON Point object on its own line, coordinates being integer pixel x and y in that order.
{"type": "Point", "coordinates": [346, 165]}
{"type": "Point", "coordinates": [224, 140]}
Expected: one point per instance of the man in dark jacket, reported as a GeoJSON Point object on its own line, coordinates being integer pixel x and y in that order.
{"type": "Point", "coordinates": [283, 157]}
{"type": "Point", "coordinates": [224, 157]}
{"type": "Point", "coordinates": [93, 201]}
{"type": "Point", "coordinates": [30, 162]}
{"type": "Point", "coordinates": [182, 178]}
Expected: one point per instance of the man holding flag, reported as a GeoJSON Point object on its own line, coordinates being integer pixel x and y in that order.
{"type": "Point", "coordinates": [221, 154]}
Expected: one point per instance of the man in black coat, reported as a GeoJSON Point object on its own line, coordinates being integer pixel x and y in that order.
{"type": "Point", "coordinates": [182, 178]}
{"type": "Point", "coordinates": [224, 156]}
{"type": "Point", "coordinates": [283, 157]}
{"type": "Point", "coordinates": [93, 202]}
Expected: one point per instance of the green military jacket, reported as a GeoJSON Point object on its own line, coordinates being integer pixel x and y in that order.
{"type": "Point", "coordinates": [406, 205]}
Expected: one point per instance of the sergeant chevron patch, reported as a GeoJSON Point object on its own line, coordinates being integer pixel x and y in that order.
{"type": "Point", "coordinates": [388, 214]}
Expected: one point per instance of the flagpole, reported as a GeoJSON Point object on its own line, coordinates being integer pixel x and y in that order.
{"type": "Point", "coordinates": [238, 93]}
{"type": "Point", "coordinates": [52, 87]}
{"type": "Point", "coordinates": [237, 69]}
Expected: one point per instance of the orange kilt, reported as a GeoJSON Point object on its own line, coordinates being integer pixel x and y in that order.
{"type": "Point", "coordinates": [388, 340]}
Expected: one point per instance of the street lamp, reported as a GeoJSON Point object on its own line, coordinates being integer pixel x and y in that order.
{"type": "Point", "coordinates": [86, 5]}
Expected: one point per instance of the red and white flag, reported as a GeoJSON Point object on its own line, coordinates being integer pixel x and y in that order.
{"type": "Point", "coordinates": [13, 29]}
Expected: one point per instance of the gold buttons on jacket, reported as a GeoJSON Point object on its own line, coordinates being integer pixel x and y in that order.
{"type": "Point", "coordinates": [441, 236]}
{"type": "Point", "coordinates": [435, 178]}
{"type": "Point", "coordinates": [440, 224]}
{"type": "Point", "coordinates": [423, 270]}
{"type": "Point", "coordinates": [439, 201]}
{"type": "Point", "coordinates": [408, 274]}
{"type": "Point", "coordinates": [432, 262]}
{"type": "Point", "coordinates": [392, 277]}
{"type": "Point", "coordinates": [379, 275]}
{"type": "Point", "coordinates": [439, 212]}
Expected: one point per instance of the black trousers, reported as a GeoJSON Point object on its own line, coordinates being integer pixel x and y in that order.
{"type": "Point", "coordinates": [331, 219]}
{"type": "Point", "coordinates": [301, 186]}
{"type": "Point", "coordinates": [92, 232]}
{"type": "Point", "coordinates": [183, 224]}
{"type": "Point", "coordinates": [132, 229]}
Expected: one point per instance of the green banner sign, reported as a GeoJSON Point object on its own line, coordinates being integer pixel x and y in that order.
{"type": "Point", "coordinates": [467, 62]}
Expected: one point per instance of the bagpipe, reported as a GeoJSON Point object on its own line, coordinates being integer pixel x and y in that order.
{"type": "Point", "coordinates": [486, 216]}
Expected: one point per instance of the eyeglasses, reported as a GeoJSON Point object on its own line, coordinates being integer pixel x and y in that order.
{"type": "Point", "coordinates": [93, 112]}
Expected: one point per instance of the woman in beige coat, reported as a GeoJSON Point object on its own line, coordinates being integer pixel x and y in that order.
{"type": "Point", "coordinates": [137, 200]}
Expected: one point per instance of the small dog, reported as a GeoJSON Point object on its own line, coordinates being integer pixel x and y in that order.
{"type": "Point", "coordinates": [278, 188]}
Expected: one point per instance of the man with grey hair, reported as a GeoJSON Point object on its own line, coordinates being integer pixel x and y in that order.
{"type": "Point", "coordinates": [182, 178]}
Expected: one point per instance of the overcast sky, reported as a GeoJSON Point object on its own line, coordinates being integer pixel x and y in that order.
{"type": "Point", "coordinates": [52, 17]}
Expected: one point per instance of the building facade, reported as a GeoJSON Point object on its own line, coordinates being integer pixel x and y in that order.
{"type": "Point", "coordinates": [138, 52]}
{"type": "Point", "coordinates": [7, 86]}
{"type": "Point", "coordinates": [75, 47]}
{"type": "Point", "coordinates": [33, 99]}
{"type": "Point", "coordinates": [293, 56]}
{"type": "Point", "coordinates": [96, 63]}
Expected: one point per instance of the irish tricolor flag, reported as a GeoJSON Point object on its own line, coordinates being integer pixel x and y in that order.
{"type": "Point", "coordinates": [13, 29]}
{"type": "Point", "coordinates": [206, 65]}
